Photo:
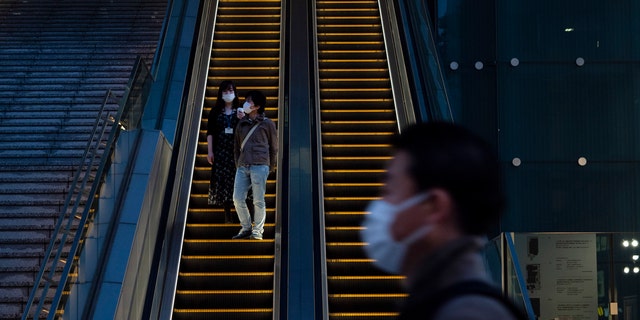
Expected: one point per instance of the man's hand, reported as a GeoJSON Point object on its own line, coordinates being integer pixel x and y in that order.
{"type": "Point", "coordinates": [210, 157]}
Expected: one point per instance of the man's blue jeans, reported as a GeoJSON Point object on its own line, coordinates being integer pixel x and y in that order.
{"type": "Point", "coordinates": [254, 178]}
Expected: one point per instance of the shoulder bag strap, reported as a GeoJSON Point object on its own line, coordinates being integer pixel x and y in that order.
{"type": "Point", "coordinates": [248, 135]}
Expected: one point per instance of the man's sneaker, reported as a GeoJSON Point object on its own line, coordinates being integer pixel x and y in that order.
{"type": "Point", "coordinates": [242, 235]}
{"type": "Point", "coordinates": [256, 237]}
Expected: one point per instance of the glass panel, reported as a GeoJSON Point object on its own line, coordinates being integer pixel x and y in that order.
{"type": "Point", "coordinates": [559, 85]}
{"type": "Point", "coordinates": [570, 98]}
{"type": "Point", "coordinates": [549, 30]}
{"type": "Point", "coordinates": [559, 111]}
{"type": "Point", "coordinates": [548, 196]}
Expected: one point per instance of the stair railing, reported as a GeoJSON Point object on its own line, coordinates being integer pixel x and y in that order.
{"type": "Point", "coordinates": [79, 207]}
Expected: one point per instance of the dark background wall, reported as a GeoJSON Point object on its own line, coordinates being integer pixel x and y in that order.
{"type": "Point", "coordinates": [548, 111]}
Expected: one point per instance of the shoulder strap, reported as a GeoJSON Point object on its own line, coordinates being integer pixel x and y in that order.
{"type": "Point", "coordinates": [428, 308]}
{"type": "Point", "coordinates": [249, 135]}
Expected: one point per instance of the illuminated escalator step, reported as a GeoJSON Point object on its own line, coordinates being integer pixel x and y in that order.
{"type": "Point", "coordinates": [222, 310]}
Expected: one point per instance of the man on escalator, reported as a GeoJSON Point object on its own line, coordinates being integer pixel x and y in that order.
{"type": "Point", "coordinates": [255, 152]}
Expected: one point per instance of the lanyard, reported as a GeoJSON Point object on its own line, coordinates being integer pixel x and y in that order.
{"type": "Point", "coordinates": [227, 120]}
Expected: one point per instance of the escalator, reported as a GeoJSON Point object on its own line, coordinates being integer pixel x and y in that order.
{"type": "Point", "coordinates": [220, 278]}
{"type": "Point", "coordinates": [357, 119]}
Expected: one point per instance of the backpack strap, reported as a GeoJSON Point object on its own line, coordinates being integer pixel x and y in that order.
{"type": "Point", "coordinates": [427, 308]}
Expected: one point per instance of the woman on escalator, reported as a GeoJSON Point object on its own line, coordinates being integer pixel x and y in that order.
{"type": "Point", "coordinates": [221, 125]}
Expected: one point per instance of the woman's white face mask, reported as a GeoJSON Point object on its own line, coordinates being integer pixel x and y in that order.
{"type": "Point", "coordinates": [388, 253]}
{"type": "Point", "coordinates": [228, 97]}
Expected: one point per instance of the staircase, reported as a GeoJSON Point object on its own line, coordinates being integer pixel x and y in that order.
{"type": "Point", "coordinates": [220, 278]}
{"type": "Point", "coordinates": [357, 119]}
{"type": "Point", "coordinates": [58, 59]}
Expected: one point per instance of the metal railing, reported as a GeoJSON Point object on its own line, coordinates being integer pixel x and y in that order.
{"type": "Point", "coordinates": [79, 207]}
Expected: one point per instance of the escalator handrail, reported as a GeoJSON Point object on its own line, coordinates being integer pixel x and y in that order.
{"type": "Point", "coordinates": [400, 84]}
{"type": "Point", "coordinates": [281, 174]}
{"type": "Point", "coordinates": [321, 248]}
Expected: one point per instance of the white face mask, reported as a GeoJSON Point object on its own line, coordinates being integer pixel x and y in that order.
{"type": "Point", "coordinates": [228, 97]}
{"type": "Point", "coordinates": [247, 107]}
{"type": "Point", "coordinates": [388, 253]}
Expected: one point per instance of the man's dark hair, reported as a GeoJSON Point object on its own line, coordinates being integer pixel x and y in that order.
{"type": "Point", "coordinates": [448, 156]}
{"type": "Point", "coordinates": [258, 99]}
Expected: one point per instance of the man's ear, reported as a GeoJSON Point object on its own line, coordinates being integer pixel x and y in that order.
{"type": "Point", "coordinates": [440, 206]}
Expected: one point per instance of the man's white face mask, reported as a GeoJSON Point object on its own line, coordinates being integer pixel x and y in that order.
{"type": "Point", "coordinates": [247, 107]}
{"type": "Point", "coordinates": [388, 253]}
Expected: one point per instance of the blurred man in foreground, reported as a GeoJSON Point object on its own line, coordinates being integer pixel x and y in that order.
{"type": "Point", "coordinates": [442, 195]}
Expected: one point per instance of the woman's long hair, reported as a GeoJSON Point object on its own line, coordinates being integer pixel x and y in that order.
{"type": "Point", "coordinates": [224, 85]}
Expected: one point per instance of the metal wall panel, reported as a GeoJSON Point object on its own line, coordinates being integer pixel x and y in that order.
{"type": "Point", "coordinates": [563, 85]}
